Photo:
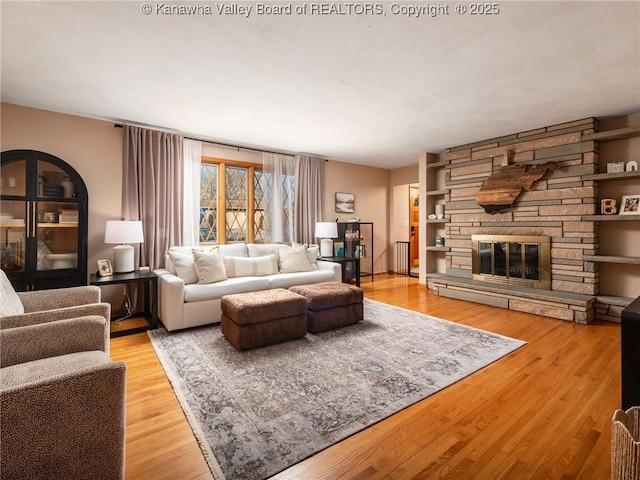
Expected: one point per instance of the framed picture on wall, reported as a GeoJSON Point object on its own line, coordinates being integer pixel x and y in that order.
{"type": "Point", "coordinates": [630, 205]}
{"type": "Point", "coordinates": [345, 202]}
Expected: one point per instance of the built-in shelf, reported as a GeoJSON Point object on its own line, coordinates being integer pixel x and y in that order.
{"type": "Point", "coordinates": [611, 259]}
{"type": "Point", "coordinates": [617, 134]}
{"type": "Point", "coordinates": [437, 192]}
{"type": "Point", "coordinates": [611, 218]}
{"type": "Point", "coordinates": [612, 176]}
{"type": "Point", "coordinates": [433, 248]}
{"type": "Point", "coordinates": [437, 220]}
{"type": "Point", "coordinates": [57, 225]}
{"type": "Point", "coordinates": [440, 164]}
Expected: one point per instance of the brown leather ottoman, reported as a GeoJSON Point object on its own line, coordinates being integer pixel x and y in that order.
{"type": "Point", "coordinates": [261, 318]}
{"type": "Point", "coordinates": [331, 305]}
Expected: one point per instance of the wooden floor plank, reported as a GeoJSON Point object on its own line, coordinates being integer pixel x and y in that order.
{"type": "Point", "coordinates": [543, 411]}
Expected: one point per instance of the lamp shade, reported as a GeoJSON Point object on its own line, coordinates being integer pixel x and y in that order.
{"type": "Point", "coordinates": [123, 231]}
{"type": "Point", "coordinates": [326, 229]}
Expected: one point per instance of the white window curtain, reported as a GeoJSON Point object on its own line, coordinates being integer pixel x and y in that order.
{"type": "Point", "coordinates": [192, 155]}
{"type": "Point", "coordinates": [279, 225]}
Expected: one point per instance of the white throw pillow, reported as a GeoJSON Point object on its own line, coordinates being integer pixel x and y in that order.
{"type": "Point", "coordinates": [185, 267]}
{"type": "Point", "coordinates": [209, 267]}
{"type": "Point", "coordinates": [11, 303]}
{"type": "Point", "coordinates": [250, 266]}
{"type": "Point", "coordinates": [294, 259]}
{"type": "Point", "coordinates": [314, 253]}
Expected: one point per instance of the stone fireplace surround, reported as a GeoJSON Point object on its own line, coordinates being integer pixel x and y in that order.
{"type": "Point", "coordinates": [554, 207]}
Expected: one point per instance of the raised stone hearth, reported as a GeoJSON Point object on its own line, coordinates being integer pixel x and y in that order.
{"type": "Point", "coordinates": [562, 305]}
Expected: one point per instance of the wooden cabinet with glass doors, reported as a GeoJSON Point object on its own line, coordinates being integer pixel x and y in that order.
{"type": "Point", "coordinates": [43, 221]}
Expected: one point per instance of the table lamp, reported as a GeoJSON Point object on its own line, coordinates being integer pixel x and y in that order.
{"type": "Point", "coordinates": [326, 231]}
{"type": "Point", "coordinates": [123, 232]}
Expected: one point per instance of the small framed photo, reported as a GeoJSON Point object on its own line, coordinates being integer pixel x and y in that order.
{"type": "Point", "coordinates": [630, 205]}
{"type": "Point", "coordinates": [104, 268]}
{"type": "Point", "coordinates": [345, 202]}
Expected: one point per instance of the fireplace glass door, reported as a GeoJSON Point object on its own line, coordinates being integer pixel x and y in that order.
{"type": "Point", "coordinates": [512, 259]}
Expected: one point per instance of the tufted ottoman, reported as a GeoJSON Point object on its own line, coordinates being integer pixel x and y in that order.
{"type": "Point", "coordinates": [331, 305]}
{"type": "Point", "coordinates": [261, 318]}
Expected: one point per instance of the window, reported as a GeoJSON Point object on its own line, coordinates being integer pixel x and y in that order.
{"type": "Point", "coordinates": [233, 201]}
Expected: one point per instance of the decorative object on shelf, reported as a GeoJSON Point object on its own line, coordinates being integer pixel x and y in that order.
{"type": "Point", "coordinates": [632, 166]}
{"type": "Point", "coordinates": [123, 232]}
{"type": "Point", "coordinates": [439, 210]}
{"type": "Point", "coordinates": [10, 258]}
{"type": "Point", "coordinates": [615, 167]}
{"type": "Point", "coordinates": [104, 268]}
{"type": "Point", "coordinates": [630, 205]}
{"type": "Point", "coordinates": [439, 241]}
{"type": "Point", "coordinates": [338, 249]}
{"type": "Point", "coordinates": [326, 231]}
{"type": "Point", "coordinates": [345, 202]}
{"type": "Point", "coordinates": [61, 260]}
{"type": "Point", "coordinates": [608, 206]}
{"type": "Point", "coordinates": [67, 186]}
{"type": "Point", "coordinates": [68, 216]}
{"type": "Point", "coordinates": [50, 217]}
{"type": "Point", "coordinates": [502, 188]}
{"type": "Point", "coordinates": [432, 216]}
{"type": "Point", "coordinates": [361, 251]}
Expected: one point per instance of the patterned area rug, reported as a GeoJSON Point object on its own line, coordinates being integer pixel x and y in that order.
{"type": "Point", "coordinates": [258, 412]}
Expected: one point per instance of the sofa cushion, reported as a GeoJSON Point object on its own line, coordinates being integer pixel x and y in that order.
{"type": "Point", "coordinates": [10, 304]}
{"type": "Point", "coordinates": [262, 249]}
{"type": "Point", "coordinates": [294, 259]}
{"type": "Point", "coordinates": [210, 291]}
{"type": "Point", "coordinates": [314, 253]}
{"type": "Point", "coordinates": [209, 266]}
{"type": "Point", "coordinates": [233, 250]}
{"type": "Point", "coordinates": [286, 280]}
{"type": "Point", "coordinates": [184, 266]}
{"type": "Point", "coordinates": [250, 266]}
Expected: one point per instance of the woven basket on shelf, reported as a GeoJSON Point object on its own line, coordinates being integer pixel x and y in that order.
{"type": "Point", "coordinates": [625, 445]}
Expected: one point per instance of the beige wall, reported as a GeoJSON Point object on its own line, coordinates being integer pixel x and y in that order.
{"type": "Point", "coordinates": [404, 176]}
{"type": "Point", "coordinates": [94, 149]}
{"type": "Point", "coordinates": [372, 201]}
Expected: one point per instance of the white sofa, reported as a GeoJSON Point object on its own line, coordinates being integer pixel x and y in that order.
{"type": "Point", "coordinates": [188, 297]}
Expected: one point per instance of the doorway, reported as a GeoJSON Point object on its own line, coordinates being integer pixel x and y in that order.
{"type": "Point", "coordinates": [414, 229]}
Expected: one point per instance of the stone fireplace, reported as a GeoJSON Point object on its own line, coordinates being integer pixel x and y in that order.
{"type": "Point", "coordinates": [535, 255]}
{"type": "Point", "coordinates": [512, 259]}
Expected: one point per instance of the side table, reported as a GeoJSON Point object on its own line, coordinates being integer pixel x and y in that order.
{"type": "Point", "coordinates": [150, 284]}
{"type": "Point", "coordinates": [344, 262]}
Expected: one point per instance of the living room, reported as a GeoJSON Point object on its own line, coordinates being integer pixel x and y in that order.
{"type": "Point", "coordinates": [474, 428]}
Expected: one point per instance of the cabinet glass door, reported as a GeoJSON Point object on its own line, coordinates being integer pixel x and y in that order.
{"type": "Point", "coordinates": [57, 219]}
{"type": "Point", "coordinates": [13, 228]}
{"type": "Point", "coordinates": [43, 224]}
{"type": "Point", "coordinates": [13, 216]}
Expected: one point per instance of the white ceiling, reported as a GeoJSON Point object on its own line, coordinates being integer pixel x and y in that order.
{"type": "Point", "coordinates": [366, 89]}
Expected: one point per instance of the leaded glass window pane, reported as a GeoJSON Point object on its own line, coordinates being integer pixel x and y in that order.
{"type": "Point", "coordinates": [208, 203]}
{"type": "Point", "coordinates": [236, 203]}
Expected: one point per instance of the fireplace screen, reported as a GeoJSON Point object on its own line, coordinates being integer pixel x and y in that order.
{"type": "Point", "coordinates": [514, 259]}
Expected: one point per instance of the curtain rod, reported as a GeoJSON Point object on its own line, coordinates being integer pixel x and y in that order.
{"type": "Point", "coordinates": [228, 145]}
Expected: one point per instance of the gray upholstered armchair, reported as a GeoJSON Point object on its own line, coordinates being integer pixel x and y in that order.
{"type": "Point", "coordinates": [62, 399]}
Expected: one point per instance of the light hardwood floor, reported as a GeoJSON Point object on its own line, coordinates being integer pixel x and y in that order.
{"type": "Point", "coordinates": [544, 411]}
